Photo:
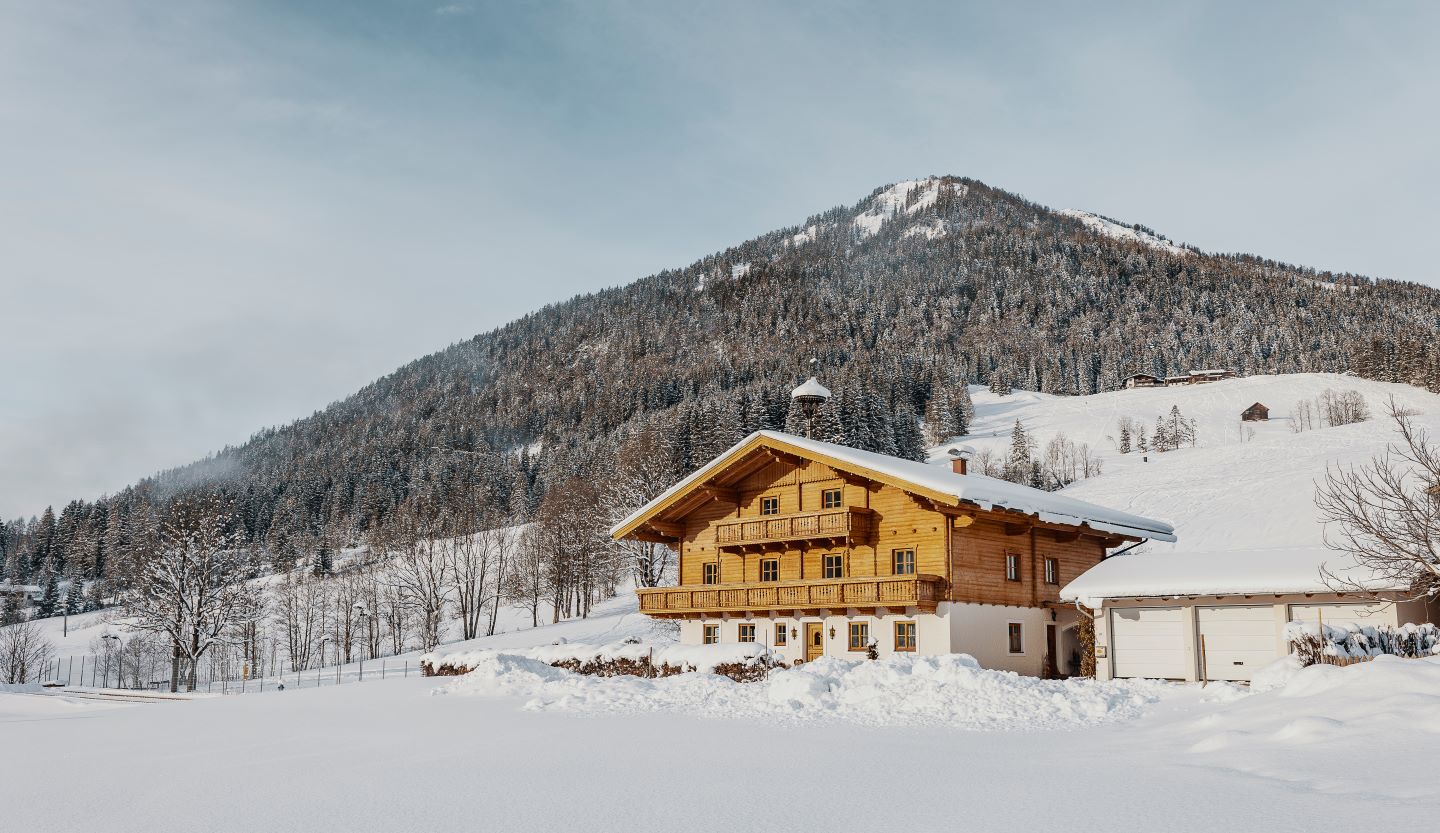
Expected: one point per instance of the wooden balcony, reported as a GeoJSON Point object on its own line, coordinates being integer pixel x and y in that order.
{"type": "Point", "coordinates": [847, 523]}
{"type": "Point", "coordinates": [921, 591]}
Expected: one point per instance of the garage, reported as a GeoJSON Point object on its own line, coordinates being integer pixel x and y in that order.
{"type": "Point", "coordinates": [1358, 614]}
{"type": "Point", "coordinates": [1149, 642]}
{"type": "Point", "coordinates": [1237, 640]}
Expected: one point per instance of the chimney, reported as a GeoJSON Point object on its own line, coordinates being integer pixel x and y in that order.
{"type": "Point", "coordinates": [960, 458]}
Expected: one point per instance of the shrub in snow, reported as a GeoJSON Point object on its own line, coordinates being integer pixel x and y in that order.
{"type": "Point", "coordinates": [1355, 642]}
{"type": "Point", "coordinates": [744, 662]}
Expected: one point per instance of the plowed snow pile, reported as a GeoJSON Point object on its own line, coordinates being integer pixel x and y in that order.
{"type": "Point", "coordinates": [950, 690]}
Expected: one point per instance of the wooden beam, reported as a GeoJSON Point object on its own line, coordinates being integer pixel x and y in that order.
{"type": "Point", "coordinates": [667, 528]}
{"type": "Point", "coordinates": [1017, 529]}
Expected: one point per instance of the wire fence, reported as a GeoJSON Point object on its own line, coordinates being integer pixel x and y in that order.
{"type": "Point", "coordinates": [114, 671]}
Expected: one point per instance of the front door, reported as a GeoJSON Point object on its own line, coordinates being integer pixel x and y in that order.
{"type": "Point", "coordinates": [1052, 663]}
{"type": "Point", "coordinates": [814, 641]}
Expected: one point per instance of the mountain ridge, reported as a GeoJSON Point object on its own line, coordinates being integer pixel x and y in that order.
{"type": "Point", "coordinates": [916, 288]}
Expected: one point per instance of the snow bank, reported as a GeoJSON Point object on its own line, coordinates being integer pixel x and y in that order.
{"type": "Point", "coordinates": [951, 690]}
{"type": "Point", "coordinates": [1380, 718]}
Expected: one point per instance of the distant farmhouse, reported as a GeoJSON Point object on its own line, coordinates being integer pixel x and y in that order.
{"type": "Point", "coordinates": [1193, 377]}
{"type": "Point", "coordinates": [1255, 413]}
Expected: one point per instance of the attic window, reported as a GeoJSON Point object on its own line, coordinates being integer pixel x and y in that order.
{"type": "Point", "coordinates": [830, 499]}
{"type": "Point", "coordinates": [770, 505]}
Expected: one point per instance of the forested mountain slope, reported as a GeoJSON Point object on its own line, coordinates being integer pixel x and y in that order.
{"type": "Point", "coordinates": [905, 295]}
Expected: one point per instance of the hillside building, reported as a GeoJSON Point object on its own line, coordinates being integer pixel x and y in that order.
{"type": "Point", "coordinates": [1255, 413]}
{"type": "Point", "coordinates": [817, 549]}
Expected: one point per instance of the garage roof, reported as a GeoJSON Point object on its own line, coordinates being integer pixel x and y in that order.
{"type": "Point", "coordinates": [1163, 574]}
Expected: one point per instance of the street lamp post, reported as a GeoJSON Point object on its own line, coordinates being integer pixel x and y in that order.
{"type": "Point", "coordinates": [114, 640]}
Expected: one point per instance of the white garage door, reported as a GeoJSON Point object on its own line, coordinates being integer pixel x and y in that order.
{"type": "Point", "coordinates": [1361, 615]}
{"type": "Point", "coordinates": [1148, 642]}
{"type": "Point", "coordinates": [1237, 640]}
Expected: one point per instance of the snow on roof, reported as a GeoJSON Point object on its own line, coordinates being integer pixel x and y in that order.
{"type": "Point", "coordinates": [1234, 572]}
{"type": "Point", "coordinates": [811, 387]}
{"type": "Point", "coordinates": [985, 492]}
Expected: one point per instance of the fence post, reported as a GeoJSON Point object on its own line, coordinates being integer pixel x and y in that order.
{"type": "Point", "coordinates": [407, 667]}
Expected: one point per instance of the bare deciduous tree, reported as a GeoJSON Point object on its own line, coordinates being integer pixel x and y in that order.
{"type": "Point", "coordinates": [24, 650]}
{"type": "Point", "coordinates": [1386, 514]}
{"type": "Point", "coordinates": [193, 589]}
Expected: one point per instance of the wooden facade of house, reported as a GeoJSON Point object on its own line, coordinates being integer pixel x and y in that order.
{"type": "Point", "coordinates": [1255, 413]}
{"type": "Point", "coordinates": [777, 533]}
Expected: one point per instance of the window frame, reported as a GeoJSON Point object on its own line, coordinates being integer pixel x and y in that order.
{"type": "Point", "coordinates": [1012, 566]}
{"type": "Point", "coordinates": [1052, 571]}
{"type": "Point", "coordinates": [744, 629]}
{"type": "Point", "coordinates": [839, 560]}
{"type": "Point", "coordinates": [709, 634]}
{"type": "Point", "coordinates": [850, 635]}
{"type": "Point", "coordinates": [1015, 633]}
{"type": "Point", "coordinates": [908, 624]}
{"type": "Point", "coordinates": [710, 572]}
{"type": "Point", "coordinates": [770, 562]}
{"type": "Point", "coordinates": [895, 561]}
{"type": "Point", "coordinates": [825, 498]}
{"type": "Point", "coordinates": [782, 634]}
{"type": "Point", "coordinates": [767, 501]}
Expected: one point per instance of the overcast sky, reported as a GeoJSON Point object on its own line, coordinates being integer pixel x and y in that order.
{"type": "Point", "coordinates": [217, 216]}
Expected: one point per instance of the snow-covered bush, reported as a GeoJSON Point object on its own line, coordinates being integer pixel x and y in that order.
{"type": "Point", "coordinates": [743, 662]}
{"type": "Point", "coordinates": [1355, 642]}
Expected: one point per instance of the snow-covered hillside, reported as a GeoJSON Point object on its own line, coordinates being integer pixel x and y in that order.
{"type": "Point", "coordinates": [1244, 486]}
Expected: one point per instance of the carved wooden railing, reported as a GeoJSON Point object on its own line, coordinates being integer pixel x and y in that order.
{"type": "Point", "coordinates": [830, 523]}
{"type": "Point", "coordinates": [922, 591]}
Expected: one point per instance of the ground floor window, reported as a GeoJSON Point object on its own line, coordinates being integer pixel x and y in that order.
{"type": "Point", "coordinates": [780, 634]}
{"type": "Point", "coordinates": [859, 636]}
{"type": "Point", "coordinates": [905, 636]}
{"type": "Point", "coordinates": [712, 634]}
{"type": "Point", "coordinates": [747, 633]}
{"type": "Point", "coordinates": [1017, 639]}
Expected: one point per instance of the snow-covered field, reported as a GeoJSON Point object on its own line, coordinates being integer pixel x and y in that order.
{"type": "Point", "coordinates": [527, 747]}
{"type": "Point", "coordinates": [918, 744]}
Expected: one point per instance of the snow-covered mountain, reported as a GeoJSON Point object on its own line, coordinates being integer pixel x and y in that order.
{"type": "Point", "coordinates": [1243, 486]}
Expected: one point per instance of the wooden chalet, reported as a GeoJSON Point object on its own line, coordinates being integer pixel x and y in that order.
{"type": "Point", "coordinates": [1144, 380]}
{"type": "Point", "coordinates": [813, 549]}
{"type": "Point", "coordinates": [1255, 413]}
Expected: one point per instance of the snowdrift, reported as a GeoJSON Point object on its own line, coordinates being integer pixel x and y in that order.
{"type": "Point", "coordinates": [950, 690]}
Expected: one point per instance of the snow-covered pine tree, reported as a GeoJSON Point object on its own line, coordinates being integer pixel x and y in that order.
{"type": "Point", "coordinates": [49, 604]}
{"type": "Point", "coordinates": [909, 443]}
{"type": "Point", "coordinates": [1124, 436]}
{"type": "Point", "coordinates": [1017, 464]}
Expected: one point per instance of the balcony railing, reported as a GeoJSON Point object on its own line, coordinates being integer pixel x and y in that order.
{"type": "Point", "coordinates": [848, 522]}
{"type": "Point", "coordinates": [920, 591]}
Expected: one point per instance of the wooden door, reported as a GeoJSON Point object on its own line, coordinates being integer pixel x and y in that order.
{"type": "Point", "coordinates": [814, 640]}
{"type": "Point", "coordinates": [1052, 664]}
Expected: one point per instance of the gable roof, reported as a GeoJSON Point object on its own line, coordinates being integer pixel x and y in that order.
{"type": "Point", "coordinates": [938, 483]}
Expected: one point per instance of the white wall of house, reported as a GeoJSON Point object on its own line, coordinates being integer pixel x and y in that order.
{"type": "Point", "coordinates": [979, 630]}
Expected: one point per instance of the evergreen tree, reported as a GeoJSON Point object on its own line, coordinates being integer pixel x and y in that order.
{"type": "Point", "coordinates": [49, 604]}
{"type": "Point", "coordinates": [1125, 437]}
{"type": "Point", "coordinates": [909, 442]}
{"type": "Point", "coordinates": [1018, 466]}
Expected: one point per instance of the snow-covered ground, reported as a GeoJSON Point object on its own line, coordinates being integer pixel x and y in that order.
{"type": "Point", "coordinates": [1245, 486]}
{"type": "Point", "coordinates": [922, 744]}
{"type": "Point", "coordinates": [532, 748]}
